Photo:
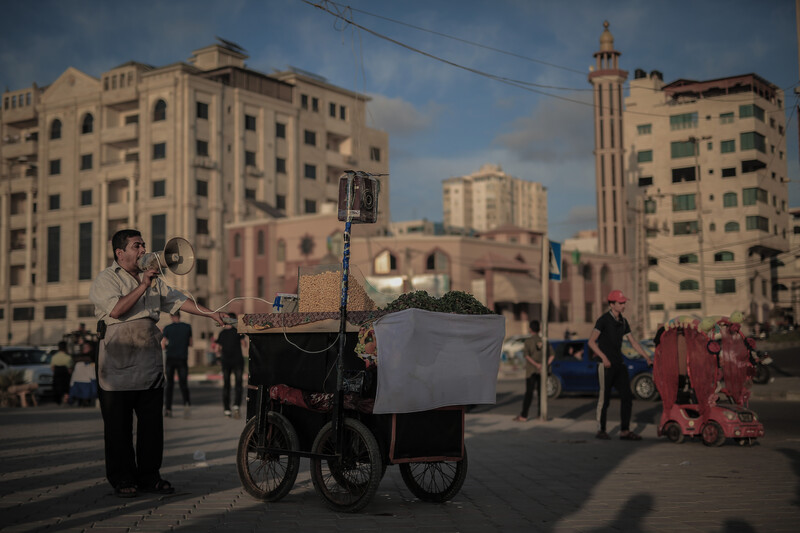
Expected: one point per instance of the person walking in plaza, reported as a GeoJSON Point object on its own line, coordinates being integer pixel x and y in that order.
{"type": "Point", "coordinates": [532, 350]}
{"type": "Point", "coordinates": [61, 364]}
{"type": "Point", "coordinates": [606, 343]}
{"type": "Point", "coordinates": [128, 300]}
{"type": "Point", "coordinates": [177, 340]}
{"type": "Point", "coordinates": [230, 344]}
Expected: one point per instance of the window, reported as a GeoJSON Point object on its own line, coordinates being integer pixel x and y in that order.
{"type": "Point", "coordinates": [85, 251]}
{"type": "Point", "coordinates": [280, 251]}
{"type": "Point", "coordinates": [158, 231]}
{"type": "Point", "coordinates": [649, 206]}
{"type": "Point", "coordinates": [683, 149]}
{"type": "Point", "coordinates": [683, 202]}
{"type": "Point", "coordinates": [310, 206]}
{"type": "Point", "coordinates": [683, 174]}
{"type": "Point", "coordinates": [87, 125]}
{"type": "Point", "coordinates": [752, 140]}
{"type": "Point", "coordinates": [160, 111]}
{"type": "Point", "coordinates": [645, 181]}
{"type": "Point", "coordinates": [86, 197]}
{"type": "Point", "coordinates": [724, 286]}
{"type": "Point", "coordinates": [85, 310]}
{"type": "Point", "coordinates": [201, 188]}
{"type": "Point", "coordinates": [729, 172]}
{"type": "Point", "coordinates": [652, 261]}
{"type": "Point", "coordinates": [202, 110]}
{"type": "Point", "coordinates": [751, 110]}
{"type": "Point", "coordinates": [687, 259]}
{"type": "Point", "coordinates": [202, 148]}
{"type": "Point", "coordinates": [249, 158]}
{"type": "Point", "coordinates": [54, 202]}
{"type": "Point", "coordinates": [752, 195]}
{"type": "Point", "coordinates": [315, 105]}
{"type": "Point", "coordinates": [310, 171]}
{"type": "Point", "coordinates": [250, 122]}
{"type": "Point", "coordinates": [374, 153]}
{"type": "Point", "coordinates": [436, 261]}
{"type": "Point", "coordinates": [280, 130]}
{"type": "Point", "coordinates": [86, 162]}
{"type": "Point", "coordinates": [731, 227]}
{"type": "Point", "coordinates": [55, 312]}
{"type": "Point", "coordinates": [260, 245]}
{"type": "Point", "coordinates": [729, 199]}
{"type": "Point", "coordinates": [310, 137]}
{"type": "Point", "coordinates": [644, 129]}
{"type": "Point", "coordinates": [384, 263]}
{"type": "Point", "coordinates": [752, 165]}
{"type": "Point", "coordinates": [756, 222]}
{"type": "Point", "coordinates": [55, 167]}
{"type": "Point", "coordinates": [22, 314]}
{"type": "Point", "coordinates": [727, 147]}
{"type": "Point", "coordinates": [683, 121]}
{"type": "Point", "coordinates": [726, 118]}
{"type": "Point", "coordinates": [159, 188]}
{"type": "Point", "coordinates": [684, 306]}
{"type": "Point", "coordinates": [202, 226]}
{"type": "Point", "coordinates": [304, 101]}
{"type": "Point", "coordinates": [652, 286]}
{"type": "Point", "coordinates": [237, 245]}
{"type": "Point", "coordinates": [280, 165]}
{"type": "Point", "coordinates": [644, 156]}
{"type": "Point", "coordinates": [723, 257]}
{"type": "Point", "coordinates": [656, 307]}
{"type": "Point", "coordinates": [260, 287]}
{"type": "Point", "coordinates": [342, 112]}
{"type": "Point", "coordinates": [280, 201]}
{"type": "Point", "coordinates": [53, 254]}
{"type": "Point", "coordinates": [159, 150]}
{"type": "Point", "coordinates": [202, 268]}
{"type": "Point", "coordinates": [332, 109]}
{"type": "Point", "coordinates": [55, 130]}
{"type": "Point", "coordinates": [684, 228]}
{"type": "Point", "coordinates": [689, 285]}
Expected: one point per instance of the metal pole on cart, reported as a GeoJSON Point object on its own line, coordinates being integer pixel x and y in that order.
{"type": "Point", "coordinates": [338, 411]}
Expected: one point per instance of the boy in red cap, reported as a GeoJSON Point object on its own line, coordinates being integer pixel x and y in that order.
{"type": "Point", "coordinates": [606, 342]}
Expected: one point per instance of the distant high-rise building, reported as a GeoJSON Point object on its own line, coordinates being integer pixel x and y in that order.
{"type": "Point", "coordinates": [179, 150]}
{"type": "Point", "coordinates": [490, 198]}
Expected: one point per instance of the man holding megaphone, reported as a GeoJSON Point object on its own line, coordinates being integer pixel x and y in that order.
{"type": "Point", "coordinates": [129, 298]}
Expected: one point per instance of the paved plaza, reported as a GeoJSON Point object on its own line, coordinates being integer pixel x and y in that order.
{"type": "Point", "coordinates": [537, 476]}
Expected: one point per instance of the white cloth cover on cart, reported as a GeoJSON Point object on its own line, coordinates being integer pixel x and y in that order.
{"type": "Point", "coordinates": [428, 360]}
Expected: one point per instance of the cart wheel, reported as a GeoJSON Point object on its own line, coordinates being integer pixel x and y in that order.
{"type": "Point", "coordinates": [347, 483]}
{"type": "Point", "coordinates": [673, 432]}
{"type": "Point", "coordinates": [268, 476]}
{"type": "Point", "coordinates": [713, 434]}
{"type": "Point", "coordinates": [435, 482]}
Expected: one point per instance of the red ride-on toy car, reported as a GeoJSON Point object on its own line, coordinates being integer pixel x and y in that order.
{"type": "Point", "coordinates": [692, 360]}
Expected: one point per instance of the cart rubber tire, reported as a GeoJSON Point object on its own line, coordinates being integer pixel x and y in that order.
{"type": "Point", "coordinates": [713, 434]}
{"type": "Point", "coordinates": [553, 385]}
{"type": "Point", "coordinates": [268, 477]}
{"type": "Point", "coordinates": [349, 483]}
{"type": "Point", "coordinates": [643, 387]}
{"type": "Point", "coordinates": [761, 376]}
{"type": "Point", "coordinates": [435, 482]}
{"type": "Point", "coordinates": [673, 432]}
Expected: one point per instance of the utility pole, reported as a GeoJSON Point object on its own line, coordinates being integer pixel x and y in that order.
{"type": "Point", "coordinates": [544, 328]}
{"type": "Point", "coordinates": [700, 230]}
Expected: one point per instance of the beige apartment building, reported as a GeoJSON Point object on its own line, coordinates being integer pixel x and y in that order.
{"type": "Point", "coordinates": [178, 150]}
{"type": "Point", "coordinates": [490, 198]}
{"type": "Point", "coordinates": [707, 193]}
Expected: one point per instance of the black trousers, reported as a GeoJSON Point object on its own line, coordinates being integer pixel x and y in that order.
{"type": "Point", "coordinates": [616, 376]}
{"type": "Point", "coordinates": [182, 368]}
{"type": "Point", "coordinates": [236, 369]}
{"type": "Point", "coordinates": [531, 384]}
{"type": "Point", "coordinates": [123, 464]}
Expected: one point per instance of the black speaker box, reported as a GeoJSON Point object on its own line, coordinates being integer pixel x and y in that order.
{"type": "Point", "coordinates": [363, 207]}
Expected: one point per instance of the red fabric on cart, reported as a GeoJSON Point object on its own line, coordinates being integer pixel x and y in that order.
{"type": "Point", "coordinates": [703, 374]}
{"type": "Point", "coordinates": [735, 360]}
{"type": "Point", "coordinates": [665, 372]}
{"type": "Point", "coordinates": [321, 402]}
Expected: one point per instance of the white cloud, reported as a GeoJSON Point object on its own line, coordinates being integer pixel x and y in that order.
{"type": "Point", "coordinates": [398, 117]}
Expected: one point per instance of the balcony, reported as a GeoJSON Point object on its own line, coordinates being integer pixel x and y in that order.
{"type": "Point", "coordinates": [120, 134]}
{"type": "Point", "coordinates": [119, 96]}
{"type": "Point", "coordinates": [19, 114]}
{"type": "Point", "coordinates": [15, 149]}
{"type": "Point", "coordinates": [204, 162]}
{"type": "Point", "coordinates": [119, 169]}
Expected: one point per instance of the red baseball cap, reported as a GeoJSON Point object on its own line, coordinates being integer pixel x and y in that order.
{"type": "Point", "coordinates": [616, 296]}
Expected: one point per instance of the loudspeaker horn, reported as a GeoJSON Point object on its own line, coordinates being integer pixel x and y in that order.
{"type": "Point", "coordinates": [178, 256]}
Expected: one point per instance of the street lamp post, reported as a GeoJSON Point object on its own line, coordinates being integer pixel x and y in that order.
{"type": "Point", "coordinates": [699, 202]}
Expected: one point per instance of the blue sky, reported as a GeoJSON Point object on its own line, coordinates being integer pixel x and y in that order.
{"type": "Point", "coordinates": [442, 120]}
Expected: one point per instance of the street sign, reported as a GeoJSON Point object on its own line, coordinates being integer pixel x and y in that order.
{"type": "Point", "coordinates": [555, 261]}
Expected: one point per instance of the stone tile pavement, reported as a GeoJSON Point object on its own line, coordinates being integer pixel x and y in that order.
{"type": "Point", "coordinates": [539, 476]}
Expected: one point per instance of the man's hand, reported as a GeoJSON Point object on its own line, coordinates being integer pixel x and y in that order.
{"type": "Point", "coordinates": [148, 276]}
{"type": "Point", "coordinates": [606, 362]}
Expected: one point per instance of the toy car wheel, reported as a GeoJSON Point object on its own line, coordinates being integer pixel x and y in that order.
{"type": "Point", "coordinates": [713, 434]}
{"type": "Point", "coordinates": [762, 375]}
{"type": "Point", "coordinates": [644, 387]}
{"type": "Point", "coordinates": [553, 386]}
{"type": "Point", "coordinates": [673, 432]}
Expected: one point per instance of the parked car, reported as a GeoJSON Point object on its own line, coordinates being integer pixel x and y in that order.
{"type": "Point", "coordinates": [34, 363]}
{"type": "Point", "coordinates": [512, 347]}
{"type": "Point", "coordinates": [575, 370]}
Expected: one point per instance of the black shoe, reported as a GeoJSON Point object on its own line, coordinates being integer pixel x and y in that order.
{"type": "Point", "coordinates": [602, 435]}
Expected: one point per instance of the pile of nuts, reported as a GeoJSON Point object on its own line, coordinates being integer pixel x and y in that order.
{"type": "Point", "coordinates": [322, 292]}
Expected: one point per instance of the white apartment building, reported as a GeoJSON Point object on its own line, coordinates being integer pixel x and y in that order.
{"type": "Point", "coordinates": [178, 150]}
{"type": "Point", "coordinates": [490, 198]}
{"type": "Point", "coordinates": [706, 191]}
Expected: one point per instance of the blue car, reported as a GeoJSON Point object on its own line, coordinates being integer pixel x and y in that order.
{"type": "Point", "coordinates": [574, 369]}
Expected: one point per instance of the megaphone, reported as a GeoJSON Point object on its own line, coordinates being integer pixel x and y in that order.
{"type": "Point", "coordinates": [177, 256]}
